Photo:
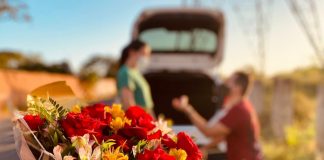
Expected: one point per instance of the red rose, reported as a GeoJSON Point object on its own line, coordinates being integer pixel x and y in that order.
{"type": "Point", "coordinates": [186, 143]}
{"type": "Point", "coordinates": [146, 122]}
{"type": "Point", "coordinates": [34, 122]}
{"type": "Point", "coordinates": [156, 135]}
{"type": "Point", "coordinates": [134, 112]}
{"type": "Point", "coordinates": [157, 154]}
{"type": "Point", "coordinates": [165, 156]}
{"type": "Point", "coordinates": [168, 142]}
{"type": "Point", "coordinates": [133, 132]}
{"type": "Point", "coordinates": [98, 111]}
{"type": "Point", "coordinates": [140, 118]}
{"type": "Point", "coordinates": [78, 124]}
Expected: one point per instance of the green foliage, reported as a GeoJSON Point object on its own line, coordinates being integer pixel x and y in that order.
{"type": "Point", "coordinates": [299, 143]}
{"type": "Point", "coordinates": [107, 144]}
{"type": "Point", "coordinates": [55, 139]}
{"type": "Point", "coordinates": [15, 10]}
{"type": "Point", "coordinates": [10, 59]}
{"type": "Point", "coordinates": [17, 60]}
{"type": "Point", "coordinates": [304, 106]}
{"type": "Point", "coordinates": [140, 145]}
{"type": "Point", "coordinates": [90, 79]}
{"type": "Point", "coordinates": [37, 106]}
{"type": "Point", "coordinates": [295, 138]}
{"type": "Point", "coordinates": [63, 67]}
{"type": "Point", "coordinates": [99, 67]}
{"type": "Point", "coordinates": [48, 109]}
{"type": "Point", "coordinates": [68, 150]}
{"type": "Point", "coordinates": [60, 111]}
{"type": "Point", "coordinates": [51, 111]}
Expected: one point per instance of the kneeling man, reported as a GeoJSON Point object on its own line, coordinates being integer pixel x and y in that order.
{"type": "Point", "coordinates": [239, 127]}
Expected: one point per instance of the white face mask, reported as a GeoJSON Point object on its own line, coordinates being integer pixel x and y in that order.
{"type": "Point", "coordinates": [143, 62]}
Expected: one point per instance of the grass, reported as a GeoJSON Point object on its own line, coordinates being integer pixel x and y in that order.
{"type": "Point", "coordinates": [299, 142]}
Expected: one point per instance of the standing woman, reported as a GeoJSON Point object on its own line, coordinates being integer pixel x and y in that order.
{"type": "Point", "coordinates": [132, 86]}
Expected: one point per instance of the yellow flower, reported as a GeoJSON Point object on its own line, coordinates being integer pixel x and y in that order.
{"type": "Point", "coordinates": [76, 109]}
{"type": "Point", "coordinates": [169, 122]}
{"type": "Point", "coordinates": [115, 111]}
{"type": "Point", "coordinates": [114, 154]}
{"type": "Point", "coordinates": [179, 154]}
{"type": "Point", "coordinates": [119, 123]}
{"type": "Point", "coordinates": [116, 124]}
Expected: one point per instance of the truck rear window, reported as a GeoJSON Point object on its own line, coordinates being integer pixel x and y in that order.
{"type": "Point", "coordinates": [197, 40]}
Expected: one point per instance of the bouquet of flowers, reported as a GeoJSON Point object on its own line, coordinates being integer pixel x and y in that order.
{"type": "Point", "coordinates": [98, 131]}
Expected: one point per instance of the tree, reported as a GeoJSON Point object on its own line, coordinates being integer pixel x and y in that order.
{"type": "Point", "coordinates": [11, 59]}
{"type": "Point", "coordinates": [98, 67]}
{"type": "Point", "coordinates": [16, 60]}
{"type": "Point", "coordinates": [62, 67]}
{"type": "Point", "coordinates": [13, 9]}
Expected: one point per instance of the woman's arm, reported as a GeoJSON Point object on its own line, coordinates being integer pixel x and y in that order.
{"type": "Point", "coordinates": [127, 97]}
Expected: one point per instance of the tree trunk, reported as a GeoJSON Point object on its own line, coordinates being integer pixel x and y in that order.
{"type": "Point", "coordinates": [320, 121]}
{"type": "Point", "coordinates": [257, 97]}
{"type": "Point", "coordinates": [282, 107]}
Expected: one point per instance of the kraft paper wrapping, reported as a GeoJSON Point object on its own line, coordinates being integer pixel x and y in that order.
{"type": "Point", "coordinates": [26, 141]}
{"type": "Point", "coordinates": [27, 145]}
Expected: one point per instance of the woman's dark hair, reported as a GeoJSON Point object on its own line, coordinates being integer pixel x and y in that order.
{"type": "Point", "coordinates": [133, 45]}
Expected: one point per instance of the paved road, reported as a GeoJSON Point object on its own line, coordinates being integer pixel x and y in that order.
{"type": "Point", "coordinates": [7, 143]}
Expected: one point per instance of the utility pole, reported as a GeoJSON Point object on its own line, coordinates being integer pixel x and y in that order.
{"type": "Point", "coordinates": [260, 32]}
{"type": "Point", "coordinates": [254, 19]}
{"type": "Point", "coordinates": [301, 18]}
{"type": "Point", "coordinates": [197, 3]}
{"type": "Point", "coordinates": [313, 34]}
{"type": "Point", "coordinates": [184, 3]}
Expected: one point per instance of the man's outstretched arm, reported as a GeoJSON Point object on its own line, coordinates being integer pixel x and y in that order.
{"type": "Point", "coordinates": [216, 131]}
{"type": "Point", "coordinates": [213, 143]}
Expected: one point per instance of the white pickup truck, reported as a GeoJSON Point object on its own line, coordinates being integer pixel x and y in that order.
{"type": "Point", "coordinates": [187, 46]}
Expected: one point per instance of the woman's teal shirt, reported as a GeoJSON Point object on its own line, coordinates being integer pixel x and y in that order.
{"type": "Point", "coordinates": [134, 80]}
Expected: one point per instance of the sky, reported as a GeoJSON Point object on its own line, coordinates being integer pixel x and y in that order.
{"type": "Point", "coordinates": [75, 30]}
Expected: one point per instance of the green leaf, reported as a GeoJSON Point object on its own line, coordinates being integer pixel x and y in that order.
{"type": "Point", "coordinates": [55, 139]}
{"type": "Point", "coordinates": [140, 145]}
{"type": "Point", "coordinates": [37, 106]}
{"type": "Point", "coordinates": [59, 110]}
{"type": "Point", "coordinates": [69, 150]}
{"type": "Point", "coordinates": [107, 144]}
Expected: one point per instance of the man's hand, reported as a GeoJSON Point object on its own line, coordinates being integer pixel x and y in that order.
{"type": "Point", "coordinates": [181, 104]}
{"type": "Point", "coordinates": [217, 131]}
